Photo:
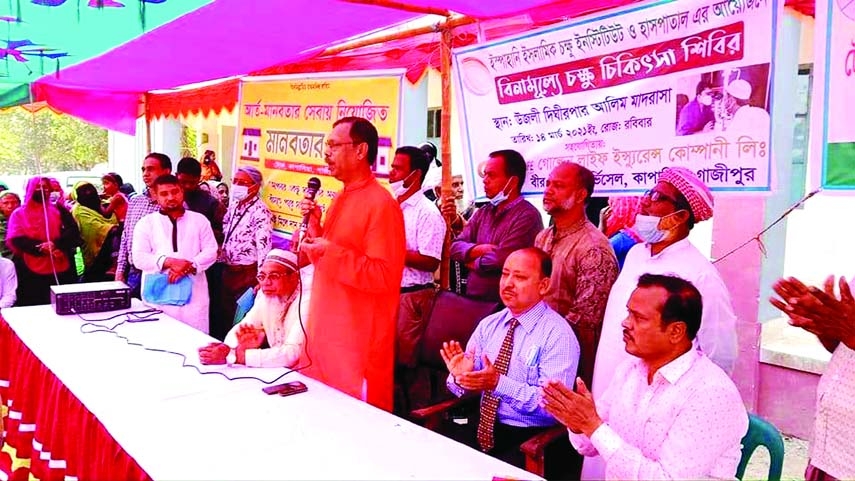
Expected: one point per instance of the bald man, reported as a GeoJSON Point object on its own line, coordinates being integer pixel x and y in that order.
{"type": "Point", "coordinates": [585, 264]}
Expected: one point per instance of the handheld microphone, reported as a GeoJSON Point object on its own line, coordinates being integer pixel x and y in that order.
{"type": "Point", "coordinates": [312, 188]}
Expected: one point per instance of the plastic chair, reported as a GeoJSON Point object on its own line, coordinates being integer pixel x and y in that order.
{"type": "Point", "coordinates": [244, 304]}
{"type": "Point", "coordinates": [762, 433]}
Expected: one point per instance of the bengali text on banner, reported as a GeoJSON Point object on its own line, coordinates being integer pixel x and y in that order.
{"type": "Point", "coordinates": [283, 125]}
{"type": "Point", "coordinates": [627, 94]}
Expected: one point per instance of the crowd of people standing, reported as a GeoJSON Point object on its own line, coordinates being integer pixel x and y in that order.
{"type": "Point", "coordinates": [602, 329]}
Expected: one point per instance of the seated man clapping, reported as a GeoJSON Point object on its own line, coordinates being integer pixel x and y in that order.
{"type": "Point", "coordinates": [510, 354]}
{"type": "Point", "coordinates": [278, 315]}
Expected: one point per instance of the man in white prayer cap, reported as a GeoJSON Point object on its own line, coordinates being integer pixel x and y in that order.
{"type": "Point", "coordinates": [746, 119]}
{"type": "Point", "coordinates": [278, 316]}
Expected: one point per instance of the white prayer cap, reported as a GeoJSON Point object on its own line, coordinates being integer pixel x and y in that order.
{"type": "Point", "coordinates": [283, 257]}
{"type": "Point", "coordinates": [740, 89]}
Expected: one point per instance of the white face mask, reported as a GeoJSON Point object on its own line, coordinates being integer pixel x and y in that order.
{"type": "Point", "coordinates": [501, 196]}
{"type": "Point", "coordinates": [239, 192]}
{"type": "Point", "coordinates": [398, 188]}
{"type": "Point", "coordinates": [647, 227]}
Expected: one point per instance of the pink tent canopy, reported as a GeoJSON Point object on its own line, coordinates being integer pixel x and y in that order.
{"type": "Point", "coordinates": [235, 37]}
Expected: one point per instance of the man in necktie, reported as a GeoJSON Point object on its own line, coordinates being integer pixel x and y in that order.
{"type": "Point", "coordinates": [510, 354]}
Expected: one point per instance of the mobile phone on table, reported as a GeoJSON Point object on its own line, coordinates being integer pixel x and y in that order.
{"type": "Point", "coordinates": [287, 389]}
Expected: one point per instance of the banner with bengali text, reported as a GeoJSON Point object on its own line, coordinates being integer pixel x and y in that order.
{"type": "Point", "coordinates": [283, 124]}
{"type": "Point", "coordinates": [619, 94]}
{"type": "Point", "coordinates": [833, 135]}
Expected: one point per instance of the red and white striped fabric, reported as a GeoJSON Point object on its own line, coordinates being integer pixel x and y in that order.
{"type": "Point", "coordinates": [41, 414]}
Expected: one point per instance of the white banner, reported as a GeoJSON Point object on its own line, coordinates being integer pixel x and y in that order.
{"type": "Point", "coordinates": [833, 131]}
{"type": "Point", "coordinates": [627, 94]}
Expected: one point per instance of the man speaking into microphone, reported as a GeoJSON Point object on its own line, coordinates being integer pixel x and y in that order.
{"type": "Point", "coordinates": [358, 254]}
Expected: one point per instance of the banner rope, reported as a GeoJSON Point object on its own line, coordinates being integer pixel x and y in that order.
{"type": "Point", "coordinates": [758, 238]}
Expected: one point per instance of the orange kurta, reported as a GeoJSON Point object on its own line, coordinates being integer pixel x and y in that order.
{"type": "Point", "coordinates": [352, 315]}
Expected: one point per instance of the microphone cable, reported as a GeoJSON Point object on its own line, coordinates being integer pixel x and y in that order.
{"type": "Point", "coordinates": [146, 315]}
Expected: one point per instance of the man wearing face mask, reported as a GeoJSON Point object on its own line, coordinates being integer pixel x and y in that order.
{"type": "Point", "coordinates": [585, 266]}
{"type": "Point", "coordinates": [425, 231]}
{"type": "Point", "coordinates": [247, 231]}
{"type": "Point", "coordinates": [697, 115]}
{"type": "Point", "coordinates": [667, 214]}
{"type": "Point", "coordinates": [507, 223]}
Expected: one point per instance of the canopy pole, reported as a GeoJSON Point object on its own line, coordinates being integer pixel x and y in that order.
{"type": "Point", "coordinates": [405, 7]}
{"type": "Point", "coordinates": [413, 32]}
{"type": "Point", "coordinates": [147, 127]}
{"type": "Point", "coordinates": [445, 147]}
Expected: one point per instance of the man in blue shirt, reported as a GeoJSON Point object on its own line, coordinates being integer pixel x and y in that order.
{"type": "Point", "coordinates": [697, 115]}
{"type": "Point", "coordinates": [510, 354]}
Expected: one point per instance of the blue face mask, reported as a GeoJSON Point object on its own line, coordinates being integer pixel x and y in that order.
{"type": "Point", "coordinates": [647, 227]}
{"type": "Point", "coordinates": [501, 196]}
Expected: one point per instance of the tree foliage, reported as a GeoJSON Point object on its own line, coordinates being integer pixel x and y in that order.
{"type": "Point", "coordinates": [44, 141]}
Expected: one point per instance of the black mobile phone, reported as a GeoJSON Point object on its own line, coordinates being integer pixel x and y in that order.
{"type": "Point", "coordinates": [286, 389]}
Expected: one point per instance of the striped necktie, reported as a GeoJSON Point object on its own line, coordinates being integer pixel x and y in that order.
{"type": "Point", "coordinates": [490, 402]}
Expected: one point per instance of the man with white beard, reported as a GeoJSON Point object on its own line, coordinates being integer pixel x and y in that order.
{"type": "Point", "coordinates": [278, 315]}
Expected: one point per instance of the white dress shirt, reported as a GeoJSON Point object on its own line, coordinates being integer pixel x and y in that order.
{"type": "Point", "coordinates": [425, 230]}
{"type": "Point", "coordinates": [687, 424]}
{"type": "Point", "coordinates": [832, 449]}
{"type": "Point", "coordinates": [8, 283]}
{"type": "Point", "coordinates": [194, 241]}
{"type": "Point", "coordinates": [284, 334]}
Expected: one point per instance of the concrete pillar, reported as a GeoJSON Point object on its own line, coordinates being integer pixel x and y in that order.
{"type": "Point", "coordinates": [166, 138]}
{"type": "Point", "coordinates": [747, 273]}
{"type": "Point", "coordinates": [415, 103]}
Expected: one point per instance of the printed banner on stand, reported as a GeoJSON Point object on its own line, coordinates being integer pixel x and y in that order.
{"type": "Point", "coordinates": [627, 94]}
{"type": "Point", "coordinates": [284, 121]}
{"type": "Point", "coordinates": [833, 135]}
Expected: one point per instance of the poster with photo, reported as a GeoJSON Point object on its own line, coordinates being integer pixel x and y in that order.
{"type": "Point", "coordinates": [628, 94]}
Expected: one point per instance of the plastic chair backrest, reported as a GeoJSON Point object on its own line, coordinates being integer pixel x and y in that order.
{"type": "Point", "coordinates": [452, 317]}
{"type": "Point", "coordinates": [244, 304]}
{"type": "Point", "coordinates": [762, 433]}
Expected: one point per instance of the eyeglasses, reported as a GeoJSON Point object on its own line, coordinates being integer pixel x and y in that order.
{"type": "Point", "coordinates": [333, 145]}
{"type": "Point", "coordinates": [656, 196]}
{"type": "Point", "coordinates": [274, 276]}
{"type": "Point", "coordinates": [241, 182]}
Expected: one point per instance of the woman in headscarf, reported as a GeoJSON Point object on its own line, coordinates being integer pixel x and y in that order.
{"type": "Point", "coordinates": [96, 230]}
{"type": "Point", "coordinates": [616, 223]}
{"type": "Point", "coordinates": [9, 201]}
{"type": "Point", "coordinates": [223, 191]}
{"type": "Point", "coordinates": [40, 239]}
{"type": "Point", "coordinates": [64, 203]}
{"type": "Point", "coordinates": [117, 202]}
{"type": "Point", "coordinates": [210, 169]}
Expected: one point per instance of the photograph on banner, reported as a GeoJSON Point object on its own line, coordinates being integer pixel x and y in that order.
{"type": "Point", "coordinates": [283, 126]}
{"type": "Point", "coordinates": [628, 94]}
{"type": "Point", "coordinates": [838, 77]}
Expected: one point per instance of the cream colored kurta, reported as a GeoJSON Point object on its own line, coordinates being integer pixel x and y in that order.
{"type": "Point", "coordinates": [194, 241]}
{"type": "Point", "coordinates": [284, 331]}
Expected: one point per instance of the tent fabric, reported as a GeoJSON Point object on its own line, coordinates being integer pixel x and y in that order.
{"type": "Point", "coordinates": [112, 110]}
{"type": "Point", "coordinates": [211, 99]}
{"type": "Point", "coordinates": [805, 7]}
{"type": "Point", "coordinates": [14, 94]}
{"type": "Point", "coordinates": [223, 39]}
